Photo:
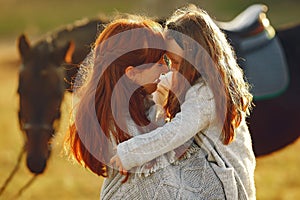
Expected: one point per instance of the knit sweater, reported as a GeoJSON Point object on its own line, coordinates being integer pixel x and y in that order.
{"type": "Point", "coordinates": [166, 177]}
{"type": "Point", "coordinates": [234, 164]}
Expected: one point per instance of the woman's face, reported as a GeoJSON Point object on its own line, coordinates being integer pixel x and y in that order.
{"type": "Point", "coordinates": [148, 75]}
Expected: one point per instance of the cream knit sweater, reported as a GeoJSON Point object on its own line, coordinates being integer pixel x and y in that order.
{"type": "Point", "coordinates": [234, 164]}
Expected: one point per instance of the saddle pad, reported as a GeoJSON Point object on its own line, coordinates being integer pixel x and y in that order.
{"type": "Point", "coordinates": [265, 66]}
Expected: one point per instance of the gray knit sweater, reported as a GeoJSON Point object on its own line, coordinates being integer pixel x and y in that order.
{"type": "Point", "coordinates": [233, 164]}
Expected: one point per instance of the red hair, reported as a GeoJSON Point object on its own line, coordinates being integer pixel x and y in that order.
{"type": "Point", "coordinates": [89, 147]}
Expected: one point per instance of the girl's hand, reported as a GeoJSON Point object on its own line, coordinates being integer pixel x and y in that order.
{"type": "Point", "coordinates": [116, 161]}
{"type": "Point", "coordinates": [160, 96]}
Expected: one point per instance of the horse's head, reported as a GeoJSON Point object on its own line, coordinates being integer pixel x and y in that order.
{"type": "Point", "coordinates": [41, 89]}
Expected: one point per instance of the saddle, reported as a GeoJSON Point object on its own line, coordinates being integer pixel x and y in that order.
{"type": "Point", "coordinates": [259, 51]}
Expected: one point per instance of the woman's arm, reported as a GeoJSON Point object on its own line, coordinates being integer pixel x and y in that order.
{"type": "Point", "coordinates": [196, 113]}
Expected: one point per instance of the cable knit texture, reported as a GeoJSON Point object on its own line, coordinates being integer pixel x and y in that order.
{"type": "Point", "coordinates": [208, 170]}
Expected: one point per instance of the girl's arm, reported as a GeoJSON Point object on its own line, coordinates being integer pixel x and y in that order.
{"type": "Point", "coordinates": [196, 114]}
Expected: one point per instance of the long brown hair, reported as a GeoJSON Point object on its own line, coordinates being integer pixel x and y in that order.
{"type": "Point", "coordinates": [91, 146]}
{"type": "Point", "coordinates": [225, 79]}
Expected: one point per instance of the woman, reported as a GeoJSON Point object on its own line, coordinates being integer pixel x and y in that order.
{"type": "Point", "coordinates": [126, 62]}
{"type": "Point", "coordinates": [216, 100]}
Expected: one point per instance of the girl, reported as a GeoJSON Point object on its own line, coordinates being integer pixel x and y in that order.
{"type": "Point", "coordinates": [216, 100]}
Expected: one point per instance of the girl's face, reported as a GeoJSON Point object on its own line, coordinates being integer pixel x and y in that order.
{"type": "Point", "coordinates": [175, 53]}
{"type": "Point", "coordinates": [148, 75]}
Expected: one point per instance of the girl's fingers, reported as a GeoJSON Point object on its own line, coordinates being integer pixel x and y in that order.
{"type": "Point", "coordinates": [112, 160]}
{"type": "Point", "coordinates": [115, 161]}
{"type": "Point", "coordinates": [124, 172]}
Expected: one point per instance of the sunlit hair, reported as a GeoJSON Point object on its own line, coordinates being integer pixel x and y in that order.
{"type": "Point", "coordinates": [225, 80]}
{"type": "Point", "coordinates": [95, 142]}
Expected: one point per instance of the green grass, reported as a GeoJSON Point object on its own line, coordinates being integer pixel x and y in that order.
{"type": "Point", "coordinates": [277, 175]}
{"type": "Point", "coordinates": [37, 17]}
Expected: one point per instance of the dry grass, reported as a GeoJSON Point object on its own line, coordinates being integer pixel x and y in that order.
{"type": "Point", "coordinates": [62, 179]}
{"type": "Point", "coordinates": [277, 175]}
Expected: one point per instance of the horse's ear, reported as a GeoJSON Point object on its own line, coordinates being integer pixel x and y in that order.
{"type": "Point", "coordinates": [69, 50]}
{"type": "Point", "coordinates": [23, 45]}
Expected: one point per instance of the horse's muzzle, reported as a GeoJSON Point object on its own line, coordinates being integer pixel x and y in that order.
{"type": "Point", "coordinates": [36, 164]}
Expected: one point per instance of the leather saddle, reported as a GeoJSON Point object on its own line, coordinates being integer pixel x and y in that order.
{"type": "Point", "coordinates": [259, 51]}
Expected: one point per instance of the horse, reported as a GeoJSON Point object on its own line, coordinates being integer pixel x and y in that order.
{"type": "Point", "coordinates": [44, 76]}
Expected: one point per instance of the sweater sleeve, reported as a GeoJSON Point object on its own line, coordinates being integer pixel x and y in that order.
{"type": "Point", "coordinates": [195, 115]}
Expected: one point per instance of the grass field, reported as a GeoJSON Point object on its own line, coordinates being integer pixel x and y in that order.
{"type": "Point", "coordinates": [277, 175]}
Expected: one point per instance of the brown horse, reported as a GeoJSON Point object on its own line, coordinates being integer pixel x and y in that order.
{"type": "Point", "coordinates": [46, 73]}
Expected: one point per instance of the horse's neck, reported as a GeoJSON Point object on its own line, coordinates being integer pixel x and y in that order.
{"type": "Point", "coordinates": [82, 34]}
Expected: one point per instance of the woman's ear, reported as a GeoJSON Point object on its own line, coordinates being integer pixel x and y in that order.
{"type": "Point", "coordinates": [130, 72]}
